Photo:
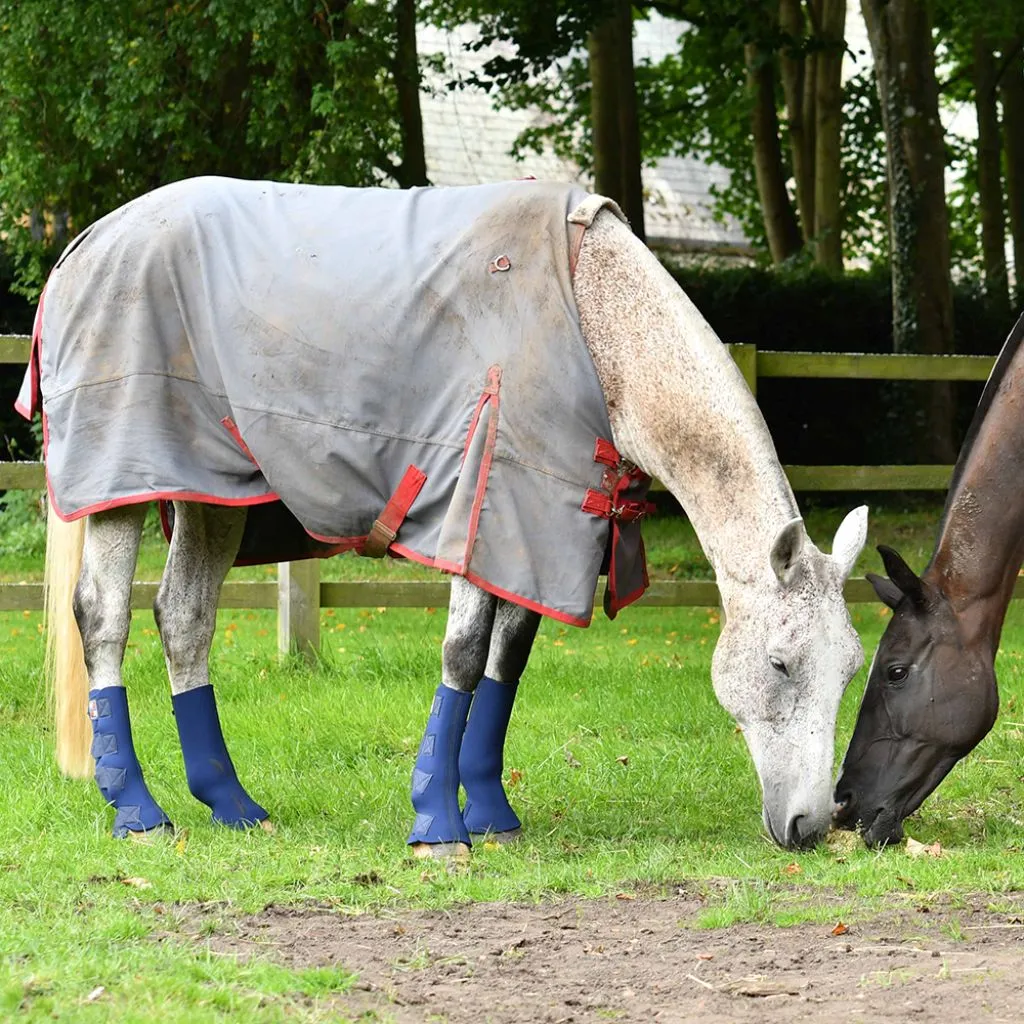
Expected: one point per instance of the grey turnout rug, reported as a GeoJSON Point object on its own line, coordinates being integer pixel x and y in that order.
{"type": "Point", "coordinates": [368, 369]}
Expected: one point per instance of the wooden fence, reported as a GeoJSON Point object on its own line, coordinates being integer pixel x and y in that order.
{"type": "Point", "coordinates": [299, 594]}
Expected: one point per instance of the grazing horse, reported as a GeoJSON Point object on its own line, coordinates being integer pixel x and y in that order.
{"type": "Point", "coordinates": [479, 379]}
{"type": "Point", "coordinates": [931, 695]}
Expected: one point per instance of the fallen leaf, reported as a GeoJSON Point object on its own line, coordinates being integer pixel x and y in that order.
{"type": "Point", "coordinates": [625, 896]}
{"type": "Point", "coordinates": [95, 994]}
{"type": "Point", "coordinates": [840, 929]}
{"type": "Point", "coordinates": [137, 883]}
{"type": "Point", "coordinates": [490, 846]}
{"type": "Point", "coordinates": [515, 776]}
{"type": "Point", "coordinates": [623, 759]}
{"type": "Point", "coordinates": [705, 956]}
{"type": "Point", "coordinates": [792, 869]}
{"type": "Point", "coordinates": [571, 761]}
{"type": "Point", "coordinates": [916, 849]}
{"type": "Point", "coordinates": [181, 842]}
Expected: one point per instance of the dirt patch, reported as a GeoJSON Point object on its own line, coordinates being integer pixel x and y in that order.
{"type": "Point", "coordinates": [642, 959]}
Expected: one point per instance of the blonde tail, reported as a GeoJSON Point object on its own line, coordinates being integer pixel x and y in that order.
{"type": "Point", "coordinates": [66, 679]}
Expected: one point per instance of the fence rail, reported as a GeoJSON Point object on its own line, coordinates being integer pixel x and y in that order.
{"type": "Point", "coordinates": [299, 594]}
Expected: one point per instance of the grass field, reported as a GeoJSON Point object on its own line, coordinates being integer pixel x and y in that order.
{"type": "Point", "coordinates": [628, 774]}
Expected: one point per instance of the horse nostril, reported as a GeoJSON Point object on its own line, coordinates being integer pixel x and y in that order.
{"type": "Point", "coordinates": [793, 836]}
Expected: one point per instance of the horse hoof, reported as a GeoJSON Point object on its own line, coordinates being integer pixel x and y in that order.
{"type": "Point", "coordinates": [440, 851]}
{"type": "Point", "coordinates": [149, 836]}
{"type": "Point", "coordinates": [513, 835]}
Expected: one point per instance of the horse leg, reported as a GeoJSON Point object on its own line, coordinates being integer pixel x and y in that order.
{"type": "Point", "coordinates": [439, 830]}
{"type": "Point", "coordinates": [102, 607]}
{"type": "Point", "coordinates": [481, 758]}
{"type": "Point", "coordinates": [203, 548]}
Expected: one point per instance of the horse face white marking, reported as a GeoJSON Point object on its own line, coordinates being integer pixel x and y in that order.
{"type": "Point", "coordinates": [786, 654]}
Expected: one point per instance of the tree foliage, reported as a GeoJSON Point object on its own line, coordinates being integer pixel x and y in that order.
{"type": "Point", "coordinates": [102, 101]}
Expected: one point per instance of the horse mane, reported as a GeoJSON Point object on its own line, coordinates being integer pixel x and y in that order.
{"type": "Point", "coordinates": [1006, 356]}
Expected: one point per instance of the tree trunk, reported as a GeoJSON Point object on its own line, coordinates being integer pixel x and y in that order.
{"type": "Point", "coordinates": [828, 109]}
{"type": "Point", "coordinates": [779, 219]}
{"type": "Point", "coordinates": [796, 67]}
{"type": "Point", "coordinates": [990, 187]}
{"type": "Point", "coordinates": [613, 111]}
{"type": "Point", "coordinates": [413, 168]}
{"type": "Point", "coordinates": [1011, 92]}
{"type": "Point", "coordinates": [900, 35]}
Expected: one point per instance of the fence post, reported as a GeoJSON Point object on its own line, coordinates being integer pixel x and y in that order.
{"type": "Point", "coordinates": [744, 355]}
{"type": "Point", "coordinates": [298, 608]}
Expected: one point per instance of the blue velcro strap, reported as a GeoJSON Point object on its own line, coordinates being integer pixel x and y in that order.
{"type": "Point", "coordinates": [103, 743]}
{"type": "Point", "coordinates": [481, 759]}
{"type": "Point", "coordinates": [435, 778]}
{"type": "Point", "coordinates": [118, 773]}
{"type": "Point", "coordinates": [208, 766]}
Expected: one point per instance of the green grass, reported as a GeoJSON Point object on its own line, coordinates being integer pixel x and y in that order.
{"type": "Point", "coordinates": [329, 751]}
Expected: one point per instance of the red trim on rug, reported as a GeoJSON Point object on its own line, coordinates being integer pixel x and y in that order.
{"type": "Point", "coordinates": [232, 428]}
{"type": "Point", "coordinates": [33, 364]}
{"type": "Point", "coordinates": [491, 393]}
{"type": "Point", "coordinates": [479, 581]}
{"type": "Point", "coordinates": [342, 543]}
{"type": "Point", "coordinates": [138, 499]}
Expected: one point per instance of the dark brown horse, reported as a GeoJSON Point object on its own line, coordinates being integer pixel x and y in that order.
{"type": "Point", "coordinates": [931, 695]}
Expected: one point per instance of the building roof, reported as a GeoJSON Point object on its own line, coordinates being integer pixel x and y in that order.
{"type": "Point", "coordinates": [469, 141]}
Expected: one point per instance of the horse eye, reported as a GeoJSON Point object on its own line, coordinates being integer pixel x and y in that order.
{"type": "Point", "coordinates": [896, 673]}
{"type": "Point", "coordinates": [778, 664]}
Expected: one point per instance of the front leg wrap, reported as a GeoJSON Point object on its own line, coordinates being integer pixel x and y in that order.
{"type": "Point", "coordinates": [208, 767]}
{"type": "Point", "coordinates": [481, 759]}
{"type": "Point", "coordinates": [118, 772]}
{"type": "Point", "coordinates": [435, 776]}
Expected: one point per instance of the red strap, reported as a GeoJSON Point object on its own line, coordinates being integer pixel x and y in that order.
{"type": "Point", "coordinates": [385, 527]}
{"type": "Point", "coordinates": [598, 504]}
{"type": "Point", "coordinates": [606, 453]}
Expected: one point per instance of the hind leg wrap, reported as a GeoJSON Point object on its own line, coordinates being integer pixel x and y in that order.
{"type": "Point", "coordinates": [203, 546]}
{"type": "Point", "coordinates": [103, 614]}
{"type": "Point", "coordinates": [118, 772]}
{"type": "Point", "coordinates": [208, 767]}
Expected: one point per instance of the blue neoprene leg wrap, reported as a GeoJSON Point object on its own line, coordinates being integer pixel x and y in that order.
{"type": "Point", "coordinates": [118, 772]}
{"type": "Point", "coordinates": [481, 759]}
{"type": "Point", "coordinates": [208, 768]}
{"type": "Point", "coordinates": [435, 777]}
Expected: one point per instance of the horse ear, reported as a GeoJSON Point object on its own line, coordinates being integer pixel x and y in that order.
{"type": "Point", "coordinates": [849, 539]}
{"type": "Point", "coordinates": [901, 574]}
{"type": "Point", "coordinates": [887, 591]}
{"type": "Point", "coordinates": [786, 549]}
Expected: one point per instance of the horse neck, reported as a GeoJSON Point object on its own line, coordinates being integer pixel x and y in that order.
{"type": "Point", "coordinates": [678, 406]}
{"type": "Point", "coordinates": [981, 539]}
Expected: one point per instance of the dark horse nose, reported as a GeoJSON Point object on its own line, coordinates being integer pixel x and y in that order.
{"type": "Point", "coordinates": [844, 809]}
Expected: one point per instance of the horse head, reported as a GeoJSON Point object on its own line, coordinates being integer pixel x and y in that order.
{"type": "Point", "coordinates": [930, 699]}
{"type": "Point", "coordinates": [785, 655]}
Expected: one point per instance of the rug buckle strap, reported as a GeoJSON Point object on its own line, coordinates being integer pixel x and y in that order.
{"type": "Point", "coordinates": [386, 525]}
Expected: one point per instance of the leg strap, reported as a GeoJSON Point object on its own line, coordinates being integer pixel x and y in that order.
{"type": "Point", "coordinates": [211, 775]}
{"type": "Point", "coordinates": [118, 772]}
{"type": "Point", "coordinates": [435, 777]}
{"type": "Point", "coordinates": [481, 759]}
